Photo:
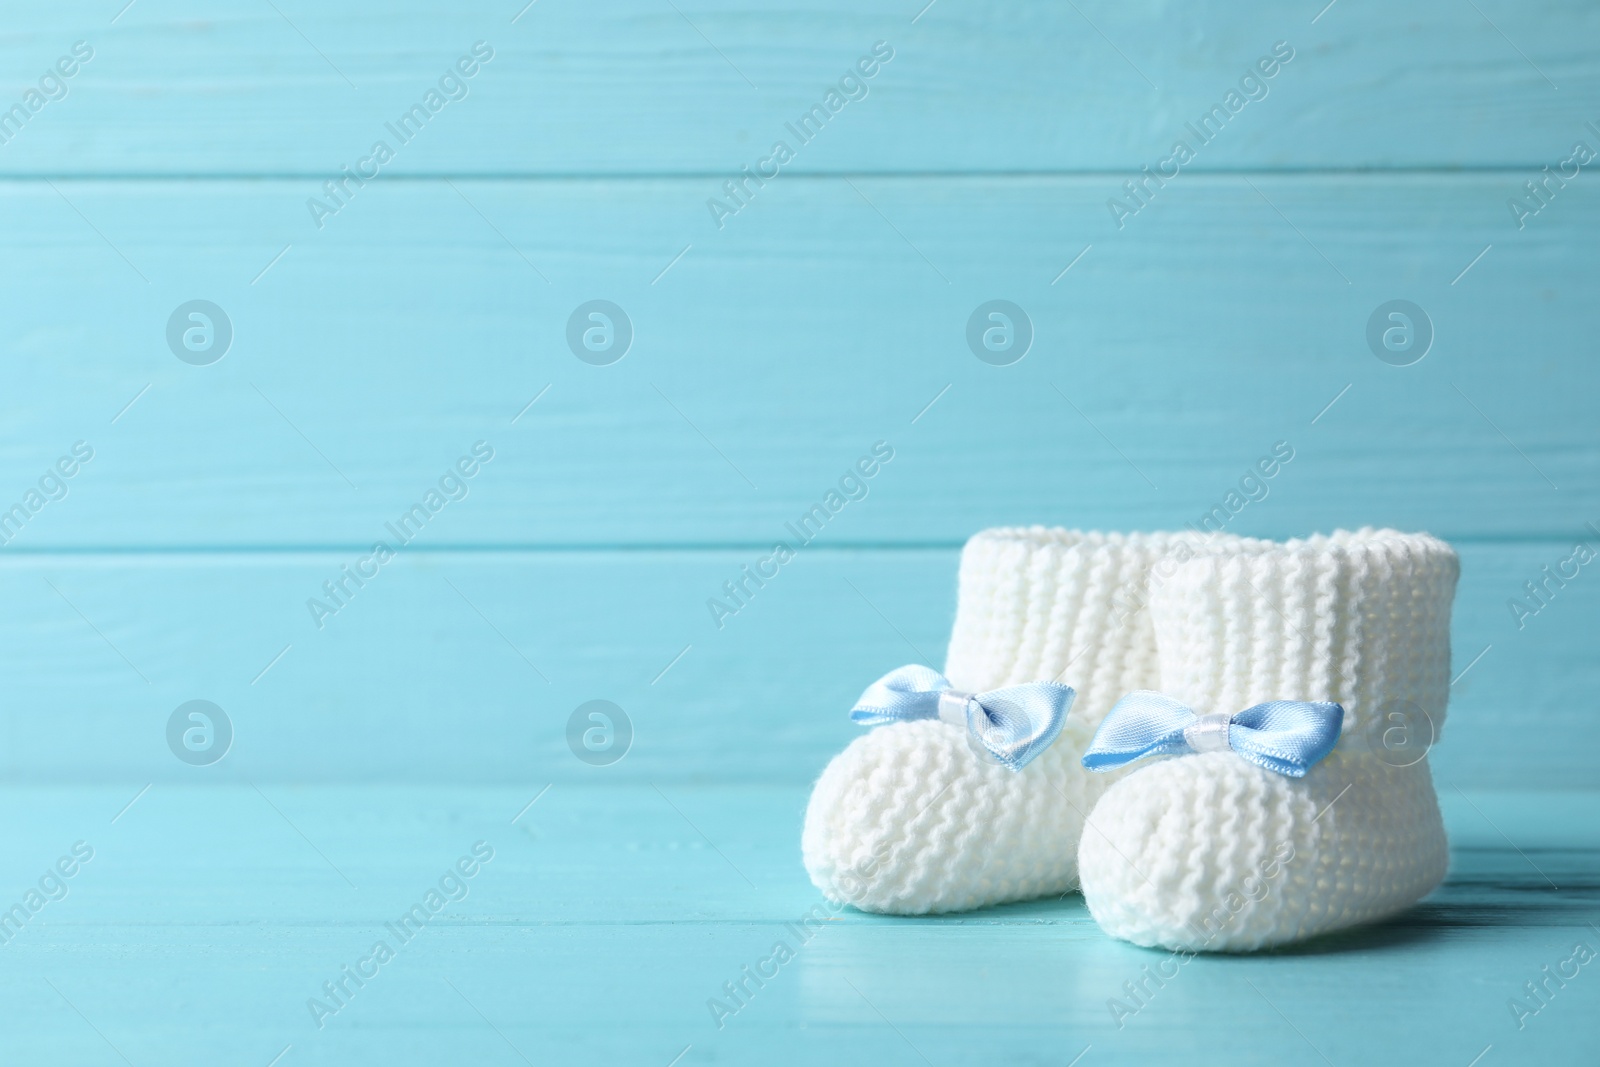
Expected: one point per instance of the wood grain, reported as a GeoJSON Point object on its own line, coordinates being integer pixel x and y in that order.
{"type": "Point", "coordinates": [1228, 316]}
{"type": "Point", "coordinates": [635, 87]}
{"type": "Point", "coordinates": [610, 915]}
{"type": "Point", "coordinates": [467, 666]}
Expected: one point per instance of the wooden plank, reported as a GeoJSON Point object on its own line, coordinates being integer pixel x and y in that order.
{"type": "Point", "coordinates": [1227, 316]}
{"type": "Point", "coordinates": [606, 921]}
{"type": "Point", "coordinates": [634, 87]}
{"type": "Point", "coordinates": [468, 666]}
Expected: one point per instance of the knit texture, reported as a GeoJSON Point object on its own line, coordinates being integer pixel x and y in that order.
{"type": "Point", "coordinates": [909, 819]}
{"type": "Point", "coordinates": [1208, 852]}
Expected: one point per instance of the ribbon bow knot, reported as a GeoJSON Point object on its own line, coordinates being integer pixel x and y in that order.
{"type": "Point", "coordinates": [1286, 737]}
{"type": "Point", "coordinates": [1013, 724]}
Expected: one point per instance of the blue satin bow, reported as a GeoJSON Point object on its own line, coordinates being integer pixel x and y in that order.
{"type": "Point", "coordinates": [1013, 724]}
{"type": "Point", "coordinates": [1284, 736]}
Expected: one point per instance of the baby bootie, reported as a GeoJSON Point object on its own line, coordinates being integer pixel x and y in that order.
{"type": "Point", "coordinates": [1253, 839]}
{"type": "Point", "coordinates": [917, 817]}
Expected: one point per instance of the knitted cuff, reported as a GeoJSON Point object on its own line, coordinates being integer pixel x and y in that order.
{"type": "Point", "coordinates": [1038, 604]}
{"type": "Point", "coordinates": [1361, 618]}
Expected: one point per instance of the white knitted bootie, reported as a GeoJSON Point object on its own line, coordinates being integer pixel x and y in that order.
{"type": "Point", "coordinates": [910, 819]}
{"type": "Point", "coordinates": [1209, 852]}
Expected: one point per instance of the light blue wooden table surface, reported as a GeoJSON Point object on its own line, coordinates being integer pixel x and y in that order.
{"type": "Point", "coordinates": [378, 332]}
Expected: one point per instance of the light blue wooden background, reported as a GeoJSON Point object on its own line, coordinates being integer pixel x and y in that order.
{"type": "Point", "coordinates": [827, 315]}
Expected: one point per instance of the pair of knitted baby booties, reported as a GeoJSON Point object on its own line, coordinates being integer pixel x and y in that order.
{"type": "Point", "coordinates": [1202, 850]}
